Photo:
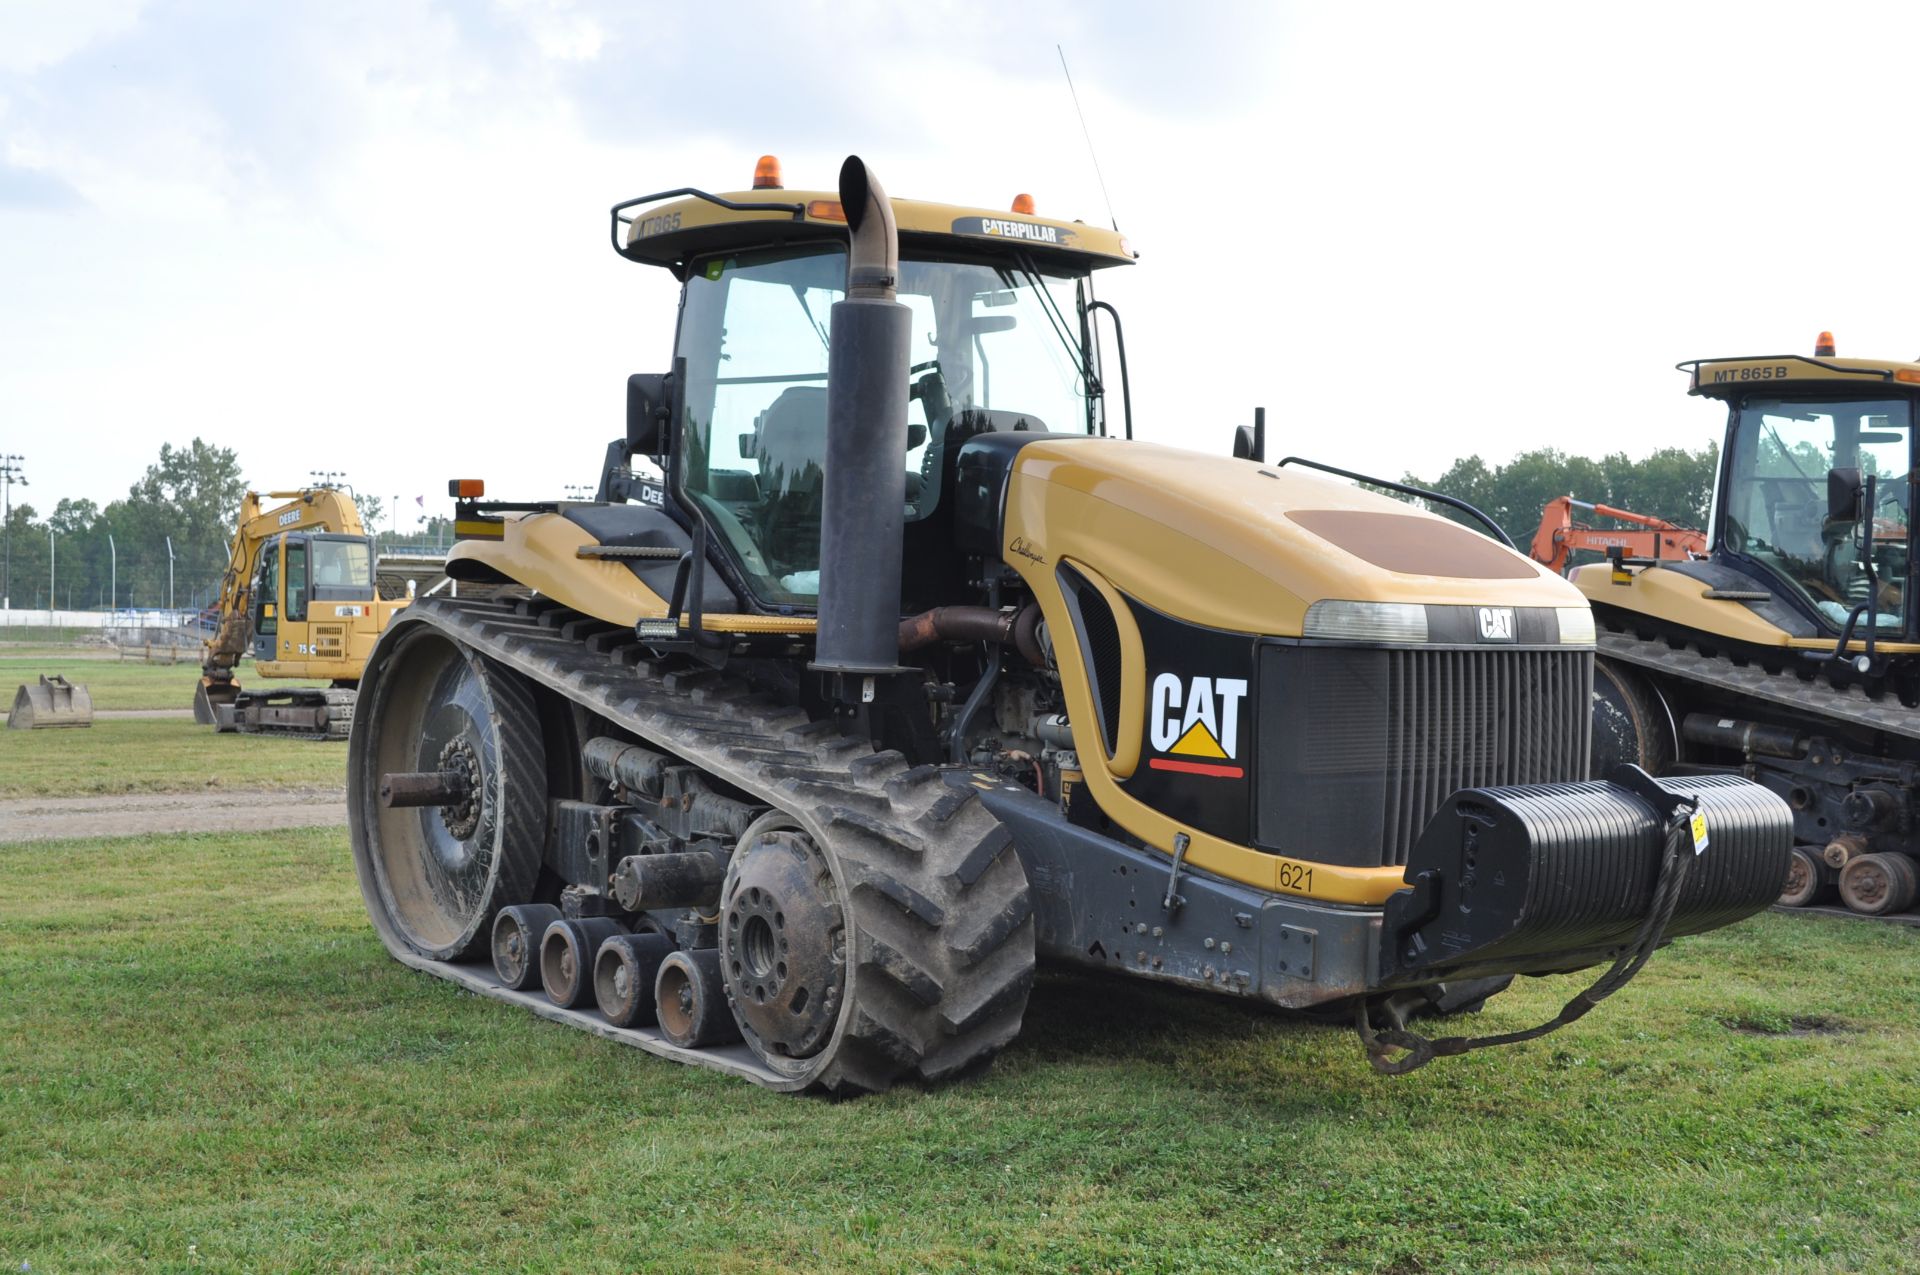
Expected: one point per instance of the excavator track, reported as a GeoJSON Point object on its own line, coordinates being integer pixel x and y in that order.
{"type": "Point", "coordinates": [939, 919]}
{"type": "Point", "coordinates": [1814, 696]}
{"type": "Point", "coordinates": [340, 703]}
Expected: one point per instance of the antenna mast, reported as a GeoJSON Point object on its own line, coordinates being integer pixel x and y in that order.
{"type": "Point", "coordinates": [1089, 136]}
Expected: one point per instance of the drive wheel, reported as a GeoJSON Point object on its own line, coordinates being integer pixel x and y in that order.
{"type": "Point", "coordinates": [899, 946]}
{"type": "Point", "coordinates": [434, 876]}
{"type": "Point", "coordinates": [1803, 879]}
{"type": "Point", "coordinates": [1630, 722]}
{"type": "Point", "coordinates": [783, 945]}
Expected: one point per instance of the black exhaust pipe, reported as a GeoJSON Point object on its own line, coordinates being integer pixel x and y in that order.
{"type": "Point", "coordinates": [863, 501]}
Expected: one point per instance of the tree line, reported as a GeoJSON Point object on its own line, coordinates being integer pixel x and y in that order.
{"type": "Point", "coordinates": [1672, 483]}
{"type": "Point", "coordinates": [192, 494]}
{"type": "Point", "coordinates": [80, 556]}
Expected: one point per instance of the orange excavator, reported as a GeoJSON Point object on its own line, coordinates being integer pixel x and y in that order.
{"type": "Point", "coordinates": [1560, 536]}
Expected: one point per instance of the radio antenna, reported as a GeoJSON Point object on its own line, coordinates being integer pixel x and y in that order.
{"type": "Point", "coordinates": [1089, 136]}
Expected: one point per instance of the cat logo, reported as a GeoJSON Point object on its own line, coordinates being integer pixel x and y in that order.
{"type": "Point", "coordinates": [1197, 721]}
{"type": "Point", "coordinates": [1496, 624]}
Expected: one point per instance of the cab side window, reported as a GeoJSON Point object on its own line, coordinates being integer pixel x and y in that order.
{"type": "Point", "coordinates": [266, 593]}
{"type": "Point", "coordinates": [297, 581]}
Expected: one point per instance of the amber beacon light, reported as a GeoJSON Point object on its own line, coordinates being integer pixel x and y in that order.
{"type": "Point", "coordinates": [1823, 348]}
{"type": "Point", "coordinates": [766, 173]}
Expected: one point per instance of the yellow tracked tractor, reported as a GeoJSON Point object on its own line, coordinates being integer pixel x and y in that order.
{"type": "Point", "coordinates": [908, 676]}
{"type": "Point", "coordinates": [299, 597]}
{"type": "Point", "coordinates": [1789, 655]}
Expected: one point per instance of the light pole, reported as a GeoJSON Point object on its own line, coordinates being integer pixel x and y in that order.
{"type": "Point", "coordinates": [9, 475]}
{"type": "Point", "coordinates": [169, 540]}
{"type": "Point", "coordinates": [52, 597]}
{"type": "Point", "coordinates": [113, 576]}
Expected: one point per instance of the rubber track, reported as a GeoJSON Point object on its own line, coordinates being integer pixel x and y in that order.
{"type": "Point", "coordinates": [1813, 696]}
{"type": "Point", "coordinates": [340, 703]}
{"type": "Point", "coordinates": [1845, 913]}
{"type": "Point", "coordinates": [943, 962]}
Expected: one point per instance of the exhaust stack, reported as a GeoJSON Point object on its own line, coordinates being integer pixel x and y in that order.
{"type": "Point", "coordinates": [863, 503]}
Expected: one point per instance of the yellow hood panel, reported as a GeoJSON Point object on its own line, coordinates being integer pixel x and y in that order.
{"type": "Point", "coordinates": [1236, 545]}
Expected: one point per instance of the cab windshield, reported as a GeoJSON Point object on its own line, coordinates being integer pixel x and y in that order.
{"type": "Point", "coordinates": [993, 347]}
{"type": "Point", "coordinates": [1777, 507]}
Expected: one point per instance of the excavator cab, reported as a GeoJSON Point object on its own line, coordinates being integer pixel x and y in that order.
{"type": "Point", "coordinates": [300, 598]}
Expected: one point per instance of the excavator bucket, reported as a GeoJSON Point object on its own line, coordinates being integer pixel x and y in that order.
{"type": "Point", "coordinates": [54, 702]}
{"type": "Point", "coordinates": [209, 697]}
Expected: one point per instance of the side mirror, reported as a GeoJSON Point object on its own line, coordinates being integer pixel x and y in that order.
{"type": "Point", "coordinates": [649, 412]}
{"type": "Point", "coordinates": [1243, 442]}
{"type": "Point", "coordinates": [1844, 491]}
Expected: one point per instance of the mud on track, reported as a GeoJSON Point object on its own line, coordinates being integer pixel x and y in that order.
{"type": "Point", "coordinates": [141, 814]}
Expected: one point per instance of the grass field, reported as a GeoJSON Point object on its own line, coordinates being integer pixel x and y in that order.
{"type": "Point", "coordinates": [207, 1061]}
{"type": "Point", "coordinates": [115, 684]}
{"type": "Point", "coordinates": [159, 755]}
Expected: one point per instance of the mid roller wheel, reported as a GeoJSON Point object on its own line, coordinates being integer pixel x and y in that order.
{"type": "Point", "coordinates": [1805, 878]}
{"type": "Point", "coordinates": [1879, 884]}
{"type": "Point", "coordinates": [691, 1001]}
{"type": "Point", "coordinates": [516, 942]}
{"type": "Point", "coordinates": [624, 974]}
{"type": "Point", "coordinates": [446, 792]}
{"type": "Point", "coordinates": [567, 951]}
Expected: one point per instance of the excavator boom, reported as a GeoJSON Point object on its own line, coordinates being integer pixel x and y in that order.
{"type": "Point", "coordinates": [1559, 536]}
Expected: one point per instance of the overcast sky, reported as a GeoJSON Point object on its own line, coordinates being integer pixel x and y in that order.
{"type": "Point", "coordinates": [371, 237]}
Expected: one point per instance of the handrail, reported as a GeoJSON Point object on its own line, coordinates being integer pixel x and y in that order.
{"type": "Point", "coordinates": [1420, 493]}
{"type": "Point", "coordinates": [798, 211]}
{"type": "Point", "coordinates": [1120, 343]}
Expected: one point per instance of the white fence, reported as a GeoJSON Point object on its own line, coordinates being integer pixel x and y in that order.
{"type": "Point", "coordinates": [127, 618]}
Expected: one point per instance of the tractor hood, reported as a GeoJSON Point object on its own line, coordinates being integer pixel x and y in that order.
{"type": "Point", "coordinates": [1237, 545]}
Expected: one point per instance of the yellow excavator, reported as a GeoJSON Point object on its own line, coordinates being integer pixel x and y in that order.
{"type": "Point", "coordinates": [910, 675]}
{"type": "Point", "coordinates": [1788, 654]}
{"type": "Point", "coordinates": [299, 597]}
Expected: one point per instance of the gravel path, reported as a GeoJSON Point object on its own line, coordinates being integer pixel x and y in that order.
{"type": "Point", "coordinates": [147, 814]}
{"type": "Point", "coordinates": [100, 714]}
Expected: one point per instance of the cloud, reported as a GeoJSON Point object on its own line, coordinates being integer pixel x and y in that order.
{"type": "Point", "coordinates": [33, 189]}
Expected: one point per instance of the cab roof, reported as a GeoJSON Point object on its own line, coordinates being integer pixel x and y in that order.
{"type": "Point", "coordinates": [673, 227]}
{"type": "Point", "coordinates": [1724, 378]}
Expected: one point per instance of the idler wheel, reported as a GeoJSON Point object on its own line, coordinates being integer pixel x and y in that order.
{"type": "Point", "coordinates": [1879, 884]}
{"type": "Point", "coordinates": [692, 1001]}
{"type": "Point", "coordinates": [434, 876]}
{"type": "Point", "coordinates": [783, 945]}
{"type": "Point", "coordinates": [1803, 879]}
{"type": "Point", "coordinates": [566, 957]}
{"type": "Point", "coordinates": [516, 943]}
{"type": "Point", "coordinates": [624, 974]}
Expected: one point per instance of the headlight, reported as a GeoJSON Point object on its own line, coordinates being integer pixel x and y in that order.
{"type": "Point", "coordinates": [1576, 625]}
{"type": "Point", "coordinates": [1367, 621]}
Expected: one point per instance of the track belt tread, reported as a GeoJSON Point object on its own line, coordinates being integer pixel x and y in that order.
{"type": "Point", "coordinates": [941, 902]}
{"type": "Point", "coordinates": [1816, 696]}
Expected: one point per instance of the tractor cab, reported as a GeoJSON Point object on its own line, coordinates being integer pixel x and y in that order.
{"type": "Point", "coordinates": [1001, 341]}
{"type": "Point", "coordinates": [1816, 488]}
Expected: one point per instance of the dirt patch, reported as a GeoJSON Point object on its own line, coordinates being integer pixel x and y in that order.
{"type": "Point", "coordinates": [142, 814]}
{"type": "Point", "coordinates": [1816, 1025]}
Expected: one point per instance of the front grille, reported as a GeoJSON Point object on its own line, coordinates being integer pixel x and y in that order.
{"type": "Point", "coordinates": [1359, 747]}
